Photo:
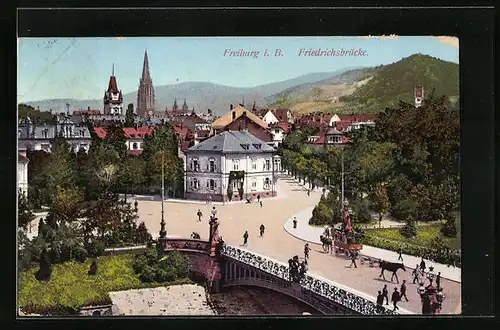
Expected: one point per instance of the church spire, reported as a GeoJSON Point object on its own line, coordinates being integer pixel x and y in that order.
{"type": "Point", "coordinates": [145, 68]}
{"type": "Point", "coordinates": [113, 70]}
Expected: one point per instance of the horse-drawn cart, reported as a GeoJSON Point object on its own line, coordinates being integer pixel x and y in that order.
{"type": "Point", "coordinates": [345, 243]}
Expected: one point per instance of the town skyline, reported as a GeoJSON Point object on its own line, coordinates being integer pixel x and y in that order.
{"type": "Point", "coordinates": [44, 63]}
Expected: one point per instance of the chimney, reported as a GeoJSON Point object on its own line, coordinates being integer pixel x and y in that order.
{"type": "Point", "coordinates": [234, 114]}
{"type": "Point", "coordinates": [230, 107]}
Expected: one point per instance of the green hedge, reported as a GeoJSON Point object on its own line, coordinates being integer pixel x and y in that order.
{"type": "Point", "coordinates": [441, 255]}
{"type": "Point", "coordinates": [71, 288]}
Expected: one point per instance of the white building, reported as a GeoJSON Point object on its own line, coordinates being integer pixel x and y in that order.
{"type": "Point", "coordinates": [237, 158]}
{"type": "Point", "coordinates": [270, 118]}
{"type": "Point", "coordinates": [22, 172]}
{"type": "Point", "coordinates": [279, 132]}
{"type": "Point", "coordinates": [33, 136]}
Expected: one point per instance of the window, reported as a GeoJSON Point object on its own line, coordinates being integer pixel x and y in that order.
{"type": "Point", "coordinates": [276, 131]}
{"type": "Point", "coordinates": [268, 165]}
{"type": "Point", "coordinates": [211, 184]}
{"type": "Point", "coordinates": [195, 184]}
{"type": "Point", "coordinates": [254, 164]}
{"type": "Point", "coordinates": [257, 145]}
{"type": "Point", "coordinates": [44, 133]}
{"type": "Point", "coordinates": [195, 165]}
{"type": "Point", "coordinates": [254, 183]}
{"type": "Point", "coordinates": [267, 183]}
{"type": "Point", "coordinates": [245, 146]}
{"type": "Point", "coordinates": [134, 146]}
{"type": "Point", "coordinates": [236, 164]}
{"type": "Point", "coordinates": [211, 165]}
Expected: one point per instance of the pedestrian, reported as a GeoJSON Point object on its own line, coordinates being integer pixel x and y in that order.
{"type": "Point", "coordinates": [438, 280]}
{"type": "Point", "coordinates": [294, 222]}
{"type": "Point", "coordinates": [380, 301]}
{"type": "Point", "coordinates": [415, 274]}
{"type": "Point", "coordinates": [245, 238]}
{"type": "Point", "coordinates": [400, 257]}
{"type": "Point", "coordinates": [306, 251]}
{"type": "Point", "coordinates": [421, 291]}
{"type": "Point", "coordinates": [214, 212]}
{"type": "Point", "coordinates": [403, 290]}
{"type": "Point", "coordinates": [260, 203]}
{"type": "Point", "coordinates": [258, 198]}
{"type": "Point", "coordinates": [422, 266]}
{"type": "Point", "coordinates": [262, 228]}
{"type": "Point", "coordinates": [385, 294]}
{"type": "Point", "coordinates": [308, 192]}
{"type": "Point", "coordinates": [395, 298]}
{"type": "Point", "coordinates": [353, 259]}
{"type": "Point", "coordinates": [199, 214]}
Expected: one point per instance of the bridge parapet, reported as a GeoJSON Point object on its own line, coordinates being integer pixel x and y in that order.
{"type": "Point", "coordinates": [188, 244]}
{"type": "Point", "coordinates": [341, 295]}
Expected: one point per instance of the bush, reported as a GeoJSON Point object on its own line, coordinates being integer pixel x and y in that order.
{"type": "Point", "coordinates": [148, 274]}
{"type": "Point", "coordinates": [93, 268]}
{"type": "Point", "coordinates": [80, 254]}
{"type": "Point", "coordinates": [45, 271]}
{"type": "Point", "coordinates": [449, 228]}
{"type": "Point", "coordinates": [173, 265]}
{"type": "Point", "coordinates": [361, 209]}
{"type": "Point", "coordinates": [403, 209]}
{"type": "Point", "coordinates": [95, 248]}
{"type": "Point", "coordinates": [142, 236]}
{"type": "Point", "coordinates": [409, 229]}
{"type": "Point", "coordinates": [321, 215]}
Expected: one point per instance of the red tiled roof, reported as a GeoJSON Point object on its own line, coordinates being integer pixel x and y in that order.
{"type": "Point", "coordinates": [182, 131]}
{"type": "Point", "coordinates": [280, 114]}
{"type": "Point", "coordinates": [284, 126]}
{"type": "Point", "coordinates": [112, 87]}
{"type": "Point", "coordinates": [321, 140]}
{"type": "Point", "coordinates": [134, 152]}
{"type": "Point", "coordinates": [203, 133]}
{"type": "Point", "coordinates": [197, 120]}
{"type": "Point", "coordinates": [185, 145]}
{"type": "Point", "coordinates": [101, 132]}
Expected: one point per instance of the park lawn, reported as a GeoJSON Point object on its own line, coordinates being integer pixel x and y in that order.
{"type": "Point", "coordinates": [425, 234]}
{"type": "Point", "coordinates": [71, 288]}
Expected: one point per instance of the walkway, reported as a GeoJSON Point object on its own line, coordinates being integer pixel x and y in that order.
{"type": "Point", "coordinates": [181, 220]}
{"type": "Point", "coordinates": [311, 234]}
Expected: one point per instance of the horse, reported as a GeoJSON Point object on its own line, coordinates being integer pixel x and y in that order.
{"type": "Point", "coordinates": [195, 235]}
{"type": "Point", "coordinates": [327, 243]}
{"type": "Point", "coordinates": [392, 267]}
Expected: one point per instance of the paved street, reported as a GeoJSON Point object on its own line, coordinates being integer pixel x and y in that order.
{"type": "Point", "coordinates": [234, 219]}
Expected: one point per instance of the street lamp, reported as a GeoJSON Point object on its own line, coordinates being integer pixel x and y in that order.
{"type": "Point", "coordinates": [222, 193]}
{"type": "Point", "coordinates": [162, 240]}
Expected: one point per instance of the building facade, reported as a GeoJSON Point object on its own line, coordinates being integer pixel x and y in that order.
{"type": "Point", "coordinates": [235, 159]}
{"type": "Point", "coordinates": [22, 172]}
{"type": "Point", "coordinates": [146, 92]}
{"type": "Point", "coordinates": [33, 136]}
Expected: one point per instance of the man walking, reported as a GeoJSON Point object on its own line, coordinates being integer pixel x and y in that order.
{"type": "Point", "coordinates": [422, 266]}
{"type": "Point", "coordinates": [400, 257]}
{"type": "Point", "coordinates": [415, 275]}
{"type": "Point", "coordinates": [380, 302]}
{"type": "Point", "coordinates": [245, 238]}
{"type": "Point", "coordinates": [306, 251]}
{"type": "Point", "coordinates": [438, 280]}
{"type": "Point", "coordinates": [395, 298]}
{"type": "Point", "coordinates": [294, 223]}
{"type": "Point", "coordinates": [308, 192]}
{"type": "Point", "coordinates": [199, 214]}
{"type": "Point", "coordinates": [260, 203]}
{"type": "Point", "coordinates": [354, 254]}
{"type": "Point", "coordinates": [258, 199]}
{"type": "Point", "coordinates": [262, 228]}
{"type": "Point", "coordinates": [385, 294]}
{"type": "Point", "coordinates": [403, 291]}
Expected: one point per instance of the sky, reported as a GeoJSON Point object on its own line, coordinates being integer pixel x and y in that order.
{"type": "Point", "coordinates": [79, 68]}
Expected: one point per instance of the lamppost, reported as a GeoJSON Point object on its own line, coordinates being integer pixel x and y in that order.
{"type": "Point", "coordinates": [162, 239]}
{"type": "Point", "coordinates": [222, 192]}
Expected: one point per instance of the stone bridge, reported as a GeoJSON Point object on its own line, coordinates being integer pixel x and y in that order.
{"type": "Point", "coordinates": [231, 266]}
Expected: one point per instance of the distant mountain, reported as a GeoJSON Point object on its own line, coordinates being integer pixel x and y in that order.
{"type": "Point", "coordinates": [200, 95]}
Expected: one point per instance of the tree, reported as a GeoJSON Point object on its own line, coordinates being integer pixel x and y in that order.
{"type": "Point", "coordinates": [420, 195]}
{"type": "Point", "coordinates": [45, 271]}
{"type": "Point", "coordinates": [409, 229]}
{"type": "Point", "coordinates": [380, 200]}
{"type": "Point", "coordinates": [103, 215]}
{"type": "Point", "coordinates": [59, 170]}
{"type": "Point", "coordinates": [129, 116]}
{"type": "Point", "coordinates": [66, 206]}
{"type": "Point", "coordinates": [24, 214]}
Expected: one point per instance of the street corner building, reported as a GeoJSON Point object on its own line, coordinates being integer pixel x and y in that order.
{"type": "Point", "coordinates": [230, 166]}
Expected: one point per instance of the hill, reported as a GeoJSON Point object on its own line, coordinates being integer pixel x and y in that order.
{"type": "Point", "coordinates": [200, 95]}
{"type": "Point", "coordinates": [373, 89]}
{"type": "Point", "coordinates": [395, 82]}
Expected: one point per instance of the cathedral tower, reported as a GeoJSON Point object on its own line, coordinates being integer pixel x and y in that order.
{"type": "Point", "coordinates": [113, 99]}
{"type": "Point", "coordinates": [146, 92]}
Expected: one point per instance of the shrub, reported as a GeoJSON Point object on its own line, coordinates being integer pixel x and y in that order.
{"type": "Point", "coordinates": [321, 215]}
{"type": "Point", "coordinates": [45, 271]}
{"type": "Point", "coordinates": [95, 248]}
{"type": "Point", "coordinates": [409, 229]}
{"type": "Point", "coordinates": [80, 254]}
{"type": "Point", "coordinates": [142, 236]}
{"type": "Point", "coordinates": [449, 228]}
{"type": "Point", "coordinates": [361, 210]}
{"type": "Point", "coordinates": [139, 264]}
{"type": "Point", "coordinates": [93, 268]}
{"type": "Point", "coordinates": [148, 274]}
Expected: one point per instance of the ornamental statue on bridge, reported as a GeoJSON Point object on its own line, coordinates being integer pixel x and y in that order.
{"type": "Point", "coordinates": [214, 239]}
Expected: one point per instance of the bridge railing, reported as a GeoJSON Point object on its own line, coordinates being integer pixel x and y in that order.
{"type": "Point", "coordinates": [310, 282]}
